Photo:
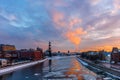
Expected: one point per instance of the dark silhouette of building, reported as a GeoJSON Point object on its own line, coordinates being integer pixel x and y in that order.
{"type": "Point", "coordinates": [115, 55]}
{"type": "Point", "coordinates": [68, 51]}
{"type": "Point", "coordinates": [49, 49]}
{"type": "Point", "coordinates": [102, 55]}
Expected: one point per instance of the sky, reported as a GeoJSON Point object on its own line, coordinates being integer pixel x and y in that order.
{"type": "Point", "coordinates": [75, 25]}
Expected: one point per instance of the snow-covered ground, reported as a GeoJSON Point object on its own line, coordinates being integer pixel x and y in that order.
{"type": "Point", "coordinates": [106, 65]}
{"type": "Point", "coordinates": [16, 67]}
{"type": "Point", "coordinates": [82, 62]}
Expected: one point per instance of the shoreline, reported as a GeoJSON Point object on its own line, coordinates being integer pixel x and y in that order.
{"type": "Point", "coordinates": [20, 66]}
{"type": "Point", "coordinates": [10, 69]}
{"type": "Point", "coordinates": [109, 71]}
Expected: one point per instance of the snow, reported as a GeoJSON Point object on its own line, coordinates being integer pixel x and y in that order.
{"type": "Point", "coordinates": [13, 68]}
{"type": "Point", "coordinates": [26, 77]}
{"type": "Point", "coordinates": [60, 57]}
{"type": "Point", "coordinates": [113, 75]}
{"type": "Point", "coordinates": [84, 63]}
{"type": "Point", "coordinates": [36, 74]}
{"type": "Point", "coordinates": [89, 77]}
{"type": "Point", "coordinates": [107, 78]}
{"type": "Point", "coordinates": [59, 74]}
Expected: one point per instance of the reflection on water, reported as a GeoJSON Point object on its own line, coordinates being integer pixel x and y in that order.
{"type": "Point", "coordinates": [69, 68]}
{"type": "Point", "coordinates": [78, 71]}
{"type": "Point", "coordinates": [59, 68]}
{"type": "Point", "coordinates": [50, 64]}
{"type": "Point", "coordinates": [75, 70]}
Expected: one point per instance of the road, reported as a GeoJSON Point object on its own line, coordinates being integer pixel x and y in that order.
{"type": "Point", "coordinates": [60, 68]}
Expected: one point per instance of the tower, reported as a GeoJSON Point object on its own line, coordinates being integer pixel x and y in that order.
{"type": "Point", "coordinates": [49, 50]}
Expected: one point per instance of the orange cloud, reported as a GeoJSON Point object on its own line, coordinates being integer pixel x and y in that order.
{"type": "Point", "coordinates": [105, 45]}
{"type": "Point", "coordinates": [74, 36]}
{"type": "Point", "coordinates": [71, 27]}
{"type": "Point", "coordinates": [74, 31]}
{"type": "Point", "coordinates": [98, 48]}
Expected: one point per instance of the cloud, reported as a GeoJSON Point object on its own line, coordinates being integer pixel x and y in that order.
{"type": "Point", "coordinates": [58, 19]}
{"type": "Point", "coordinates": [9, 17]}
{"type": "Point", "coordinates": [74, 36]}
{"type": "Point", "coordinates": [74, 22]}
{"type": "Point", "coordinates": [68, 23]}
{"type": "Point", "coordinates": [104, 44]}
{"type": "Point", "coordinates": [94, 2]}
{"type": "Point", "coordinates": [116, 4]}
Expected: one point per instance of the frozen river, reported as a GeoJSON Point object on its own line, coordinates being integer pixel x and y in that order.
{"type": "Point", "coordinates": [59, 68]}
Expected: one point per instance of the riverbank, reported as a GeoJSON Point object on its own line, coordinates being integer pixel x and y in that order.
{"type": "Point", "coordinates": [100, 68]}
{"type": "Point", "coordinates": [9, 69]}
{"type": "Point", "coordinates": [20, 66]}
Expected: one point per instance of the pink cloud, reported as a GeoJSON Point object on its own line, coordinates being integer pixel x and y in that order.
{"type": "Point", "coordinates": [74, 22]}
{"type": "Point", "coordinates": [116, 5]}
{"type": "Point", "coordinates": [94, 2]}
{"type": "Point", "coordinates": [58, 19]}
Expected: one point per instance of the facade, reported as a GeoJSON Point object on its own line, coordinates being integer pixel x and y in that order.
{"type": "Point", "coordinates": [3, 62]}
{"type": "Point", "coordinates": [4, 48]}
{"type": "Point", "coordinates": [7, 52]}
{"type": "Point", "coordinates": [10, 53]}
{"type": "Point", "coordinates": [30, 54]}
{"type": "Point", "coordinates": [115, 55]}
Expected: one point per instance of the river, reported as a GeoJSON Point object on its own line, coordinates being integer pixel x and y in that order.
{"type": "Point", "coordinates": [60, 68]}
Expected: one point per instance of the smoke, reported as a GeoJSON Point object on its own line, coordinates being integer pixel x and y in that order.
{"type": "Point", "coordinates": [74, 36]}
{"type": "Point", "coordinates": [70, 27]}
{"type": "Point", "coordinates": [75, 31]}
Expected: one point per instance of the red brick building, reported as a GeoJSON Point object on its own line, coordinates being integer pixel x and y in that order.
{"type": "Point", "coordinates": [31, 54]}
{"type": "Point", "coordinates": [9, 52]}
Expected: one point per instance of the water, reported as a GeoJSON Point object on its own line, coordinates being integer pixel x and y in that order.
{"type": "Point", "coordinates": [67, 68]}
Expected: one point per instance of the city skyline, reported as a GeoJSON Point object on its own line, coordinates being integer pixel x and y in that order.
{"type": "Point", "coordinates": [69, 24]}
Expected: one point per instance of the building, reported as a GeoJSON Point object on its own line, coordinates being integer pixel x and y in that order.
{"type": "Point", "coordinates": [3, 62]}
{"type": "Point", "coordinates": [8, 52]}
{"type": "Point", "coordinates": [115, 55]}
{"type": "Point", "coordinates": [31, 54]}
{"type": "Point", "coordinates": [4, 48]}
{"type": "Point", "coordinates": [102, 55]}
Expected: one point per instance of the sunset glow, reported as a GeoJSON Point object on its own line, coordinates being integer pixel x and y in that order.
{"type": "Point", "coordinates": [68, 24]}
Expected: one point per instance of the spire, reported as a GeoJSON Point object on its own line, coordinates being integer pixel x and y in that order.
{"type": "Point", "coordinates": [49, 49]}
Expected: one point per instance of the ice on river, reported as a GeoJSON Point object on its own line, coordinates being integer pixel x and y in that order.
{"type": "Point", "coordinates": [68, 67]}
